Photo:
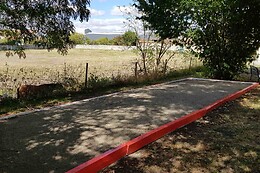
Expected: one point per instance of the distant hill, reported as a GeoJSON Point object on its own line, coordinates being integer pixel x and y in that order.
{"type": "Point", "coordinates": [109, 36]}
{"type": "Point", "coordinates": [98, 36]}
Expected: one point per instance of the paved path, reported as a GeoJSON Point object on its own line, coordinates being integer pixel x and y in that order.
{"type": "Point", "coordinates": [61, 138]}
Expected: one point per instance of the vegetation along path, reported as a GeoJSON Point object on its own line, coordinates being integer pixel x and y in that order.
{"type": "Point", "coordinates": [60, 138]}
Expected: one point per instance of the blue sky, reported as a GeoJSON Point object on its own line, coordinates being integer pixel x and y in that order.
{"type": "Point", "coordinates": [106, 17]}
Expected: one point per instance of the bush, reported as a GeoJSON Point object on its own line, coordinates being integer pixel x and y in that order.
{"type": "Point", "coordinates": [5, 41]}
{"type": "Point", "coordinates": [129, 38]}
{"type": "Point", "coordinates": [102, 41]}
{"type": "Point", "coordinates": [118, 40]}
{"type": "Point", "coordinates": [77, 38]}
{"type": "Point", "coordinates": [95, 82]}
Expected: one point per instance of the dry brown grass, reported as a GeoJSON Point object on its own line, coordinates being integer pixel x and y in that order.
{"type": "Point", "coordinates": [101, 61]}
{"type": "Point", "coordinates": [41, 66]}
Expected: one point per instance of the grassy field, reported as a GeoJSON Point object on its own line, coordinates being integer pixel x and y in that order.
{"type": "Point", "coordinates": [41, 66]}
{"type": "Point", "coordinates": [102, 61]}
{"type": "Point", "coordinates": [108, 59]}
{"type": "Point", "coordinates": [226, 140]}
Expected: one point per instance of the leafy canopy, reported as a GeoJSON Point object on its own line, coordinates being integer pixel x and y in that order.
{"type": "Point", "coordinates": [224, 33]}
{"type": "Point", "coordinates": [46, 21]}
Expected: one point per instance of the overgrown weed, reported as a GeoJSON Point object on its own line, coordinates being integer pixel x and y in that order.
{"type": "Point", "coordinates": [72, 78]}
{"type": "Point", "coordinates": [75, 89]}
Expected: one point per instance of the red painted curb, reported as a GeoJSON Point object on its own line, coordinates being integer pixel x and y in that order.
{"type": "Point", "coordinates": [157, 133]}
{"type": "Point", "coordinates": [230, 97]}
{"type": "Point", "coordinates": [101, 161]}
{"type": "Point", "coordinates": [98, 163]}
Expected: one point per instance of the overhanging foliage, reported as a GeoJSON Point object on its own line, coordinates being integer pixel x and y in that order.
{"type": "Point", "coordinates": [47, 21]}
{"type": "Point", "coordinates": [224, 33]}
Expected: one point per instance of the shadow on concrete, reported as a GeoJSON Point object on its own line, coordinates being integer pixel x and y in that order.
{"type": "Point", "coordinates": [59, 139]}
{"type": "Point", "coordinates": [225, 140]}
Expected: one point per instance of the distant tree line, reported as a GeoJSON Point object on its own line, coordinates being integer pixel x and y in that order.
{"type": "Point", "coordinates": [129, 38]}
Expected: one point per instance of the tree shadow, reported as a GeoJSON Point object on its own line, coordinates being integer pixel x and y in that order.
{"type": "Point", "coordinates": [225, 140]}
{"type": "Point", "coordinates": [61, 138]}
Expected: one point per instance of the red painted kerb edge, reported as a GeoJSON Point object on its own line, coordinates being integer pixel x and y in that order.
{"type": "Point", "coordinates": [98, 163]}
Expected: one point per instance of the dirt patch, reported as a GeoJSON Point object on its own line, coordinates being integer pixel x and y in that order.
{"type": "Point", "coordinates": [225, 140]}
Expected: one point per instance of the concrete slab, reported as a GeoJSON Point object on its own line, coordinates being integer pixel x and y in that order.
{"type": "Point", "coordinates": [60, 138]}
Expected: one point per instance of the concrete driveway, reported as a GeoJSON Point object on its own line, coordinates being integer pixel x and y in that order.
{"type": "Point", "coordinates": [60, 138]}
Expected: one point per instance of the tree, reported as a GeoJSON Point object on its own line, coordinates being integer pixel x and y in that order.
{"type": "Point", "coordinates": [129, 38]}
{"type": "Point", "coordinates": [46, 21]}
{"type": "Point", "coordinates": [224, 33]}
{"type": "Point", "coordinates": [102, 41]}
{"type": "Point", "coordinates": [8, 37]}
{"type": "Point", "coordinates": [77, 38]}
{"type": "Point", "coordinates": [118, 40]}
{"type": "Point", "coordinates": [154, 53]}
{"type": "Point", "coordinates": [86, 31]}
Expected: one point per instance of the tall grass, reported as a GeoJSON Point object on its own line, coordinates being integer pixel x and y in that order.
{"type": "Point", "coordinates": [72, 75]}
{"type": "Point", "coordinates": [12, 78]}
{"type": "Point", "coordinates": [96, 85]}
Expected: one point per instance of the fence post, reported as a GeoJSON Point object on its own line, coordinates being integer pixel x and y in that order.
{"type": "Point", "coordinates": [136, 63]}
{"type": "Point", "coordinates": [190, 62]}
{"type": "Point", "coordinates": [86, 76]}
{"type": "Point", "coordinates": [65, 70]}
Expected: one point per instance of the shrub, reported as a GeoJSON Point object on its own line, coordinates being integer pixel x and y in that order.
{"type": "Point", "coordinates": [95, 81]}
{"type": "Point", "coordinates": [78, 38]}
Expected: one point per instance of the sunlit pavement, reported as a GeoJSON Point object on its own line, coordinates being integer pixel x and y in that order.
{"type": "Point", "coordinates": [60, 138]}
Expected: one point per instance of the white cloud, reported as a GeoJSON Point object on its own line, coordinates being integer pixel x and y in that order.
{"type": "Point", "coordinates": [123, 10]}
{"type": "Point", "coordinates": [102, 25]}
{"type": "Point", "coordinates": [116, 11]}
{"type": "Point", "coordinates": [95, 12]}
{"type": "Point", "coordinates": [115, 21]}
